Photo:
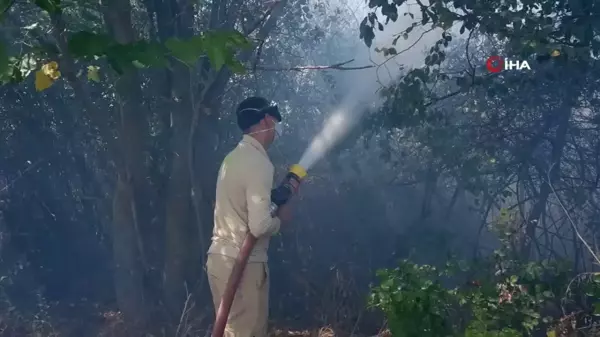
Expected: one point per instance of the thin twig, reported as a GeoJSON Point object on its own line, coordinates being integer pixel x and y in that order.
{"type": "Point", "coordinates": [184, 313]}
{"type": "Point", "coordinates": [31, 167]}
{"type": "Point", "coordinates": [579, 236]}
{"type": "Point", "coordinates": [336, 66]}
{"type": "Point", "coordinates": [258, 54]}
{"type": "Point", "coordinates": [262, 19]}
{"type": "Point", "coordinates": [356, 323]}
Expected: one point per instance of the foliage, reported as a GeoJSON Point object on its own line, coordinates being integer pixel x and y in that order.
{"type": "Point", "coordinates": [563, 31]}
{"type": "Point", "coordinates": [219, 46]}
{"type": "Point", "coordinates": [532, 26]}
{"type": "Point", "coordinates": [502, 138]}
{"type": "Point", "coordinates": [503, 297]}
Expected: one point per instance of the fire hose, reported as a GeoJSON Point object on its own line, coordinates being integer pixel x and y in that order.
{"type": "Point", "coordinates": [279, 196]}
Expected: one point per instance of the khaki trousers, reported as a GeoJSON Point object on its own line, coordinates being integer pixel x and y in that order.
{"type": "Point", "coordinates": [250, 309]}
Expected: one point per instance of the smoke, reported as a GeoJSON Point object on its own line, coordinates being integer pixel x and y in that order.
{"type": "Point", "coordinates": [359, 88]}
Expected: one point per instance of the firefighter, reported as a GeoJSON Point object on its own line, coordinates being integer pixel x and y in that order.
{"type": "Point", "coordinates": [243, 198]}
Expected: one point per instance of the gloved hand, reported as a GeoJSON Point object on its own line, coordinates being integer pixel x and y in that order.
{"type": "Point", "coordinates": [281, 194]}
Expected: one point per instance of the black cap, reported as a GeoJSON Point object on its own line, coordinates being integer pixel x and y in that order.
{"type": "Point", "coordinates": [253, 109]}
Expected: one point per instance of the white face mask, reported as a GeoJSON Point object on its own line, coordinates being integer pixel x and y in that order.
{"type": "Point", "coordinates": [278, 130]}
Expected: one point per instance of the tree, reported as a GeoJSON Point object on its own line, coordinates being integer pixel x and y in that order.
{"type": "Point", "coordinates": [503, 113]}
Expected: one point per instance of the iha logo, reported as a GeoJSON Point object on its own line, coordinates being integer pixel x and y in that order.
{"type": "Point", "coordinates": [496, 64]}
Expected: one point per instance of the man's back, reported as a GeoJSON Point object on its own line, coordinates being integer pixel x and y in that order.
{"type": "Point", "coordinates": [242, 201]}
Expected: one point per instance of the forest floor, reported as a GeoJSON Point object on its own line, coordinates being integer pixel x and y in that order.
{"type": "Point", "coordinates": [322, 332]}
{"type": "Point", "coordinates": [110, 324]}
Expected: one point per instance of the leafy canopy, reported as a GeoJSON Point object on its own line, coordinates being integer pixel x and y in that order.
{"type": "Point", "coordinates": [560, 31]}
{"type": "Point", "coordinates": [219, 46]}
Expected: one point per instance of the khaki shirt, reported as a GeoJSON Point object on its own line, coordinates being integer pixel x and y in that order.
{"type": "Point", "coordinates": [242, 201]}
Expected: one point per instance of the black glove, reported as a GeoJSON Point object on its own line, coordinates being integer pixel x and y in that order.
{"type": "Point", "coordinates": [281, 194]}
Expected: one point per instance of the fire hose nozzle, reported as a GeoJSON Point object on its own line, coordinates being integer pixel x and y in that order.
{"type": "Point", "coordinates": [283, 193]}
{"type": "Point", "coordinates": [298, 170]}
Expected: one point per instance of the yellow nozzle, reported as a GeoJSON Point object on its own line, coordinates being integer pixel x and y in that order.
{"type": "Point", "coordinates": [298, 170]}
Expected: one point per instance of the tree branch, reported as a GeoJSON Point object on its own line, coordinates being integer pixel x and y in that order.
{"type": "Point", "coordinates": [262, 19]}
{"type": "Point", "coordinates": [336, 66]}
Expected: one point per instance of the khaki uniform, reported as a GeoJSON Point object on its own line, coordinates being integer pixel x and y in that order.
{"type": "Point", "coordinates": [242, 205]}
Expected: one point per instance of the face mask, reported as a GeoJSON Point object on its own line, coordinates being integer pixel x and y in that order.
{"type": "Point", "coordinates": [278, 130]}
{"type": "Point", "coordinates": [278, 126]}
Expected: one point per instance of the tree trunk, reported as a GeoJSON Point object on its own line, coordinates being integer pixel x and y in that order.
{"type": "Point", "coordinates": [128, 273]}
{"type": "Point", "coordinates": [175, 19]}
{"type": "Point", "coordinates": [179, 202]}
{"type": "Point", "coordinates": [132, 211]}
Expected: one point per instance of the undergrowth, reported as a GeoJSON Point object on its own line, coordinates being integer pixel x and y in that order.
{"type": "Point", "coordinates": [501, 295]}
{"type": "Point", "coordinates": [498, 296]}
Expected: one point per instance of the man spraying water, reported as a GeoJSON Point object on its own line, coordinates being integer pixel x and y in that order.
{"type": "Point", "coordinates": [245, 216]}
{"type": "Point", "coordinates": [244, 220]}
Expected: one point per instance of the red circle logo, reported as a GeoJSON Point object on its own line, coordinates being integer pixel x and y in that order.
{"type": "Point", "coordinates": [495, 64]}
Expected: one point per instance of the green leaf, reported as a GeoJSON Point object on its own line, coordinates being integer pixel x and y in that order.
{"type": "Point", "coordinates": [86, 44]}
{"type": "Point", "coordinates": [122, 57]}
{"type": "Point", "coordinates": [145, 54]}
{"type": "Point", "coordinates": [236, 67]}
{"type": "Point", "coordinates": [5, 6]}
{"type": "Point", "coordinates": [216, 55]}
{"type": "Point", "coordinates": [220, 48]}
{"type": "Point", "coordinates": [4, 61]}
{"type": "Point", "coordinates": [514, 279]}
{"type": "Point", "coordinates": [597, 309]}
{"type": "Point", "coordinates": [116, 64]}
{"type": "Point", "coordinates": [237, 40]}
{"type": "Point", "coordinates": [186, 51]}
{"type": "Point", "coordinates": [50, 6]}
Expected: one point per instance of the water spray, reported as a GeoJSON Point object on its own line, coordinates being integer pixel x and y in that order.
{"type": "Point", "coordinates": [335, 128]}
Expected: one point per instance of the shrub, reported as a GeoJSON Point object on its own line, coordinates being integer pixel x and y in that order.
{"type": "Point", "coordinates": [503, 297]}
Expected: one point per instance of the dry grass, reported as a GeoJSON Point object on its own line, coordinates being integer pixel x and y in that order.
{"type": "Point", "coordinates": [113, 325]}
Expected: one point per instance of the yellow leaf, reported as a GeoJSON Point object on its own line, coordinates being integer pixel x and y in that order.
{"type": "Point", "coordinates": [555, 53]}
{"type": "Point", "coordinates": [551, 333]}
{"type": "Point", "coordinates": [50, 69]}
{"type": "Point", "coordinates": [42, 81]}
{"type": "Point", "coordinates": [92, 74]}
